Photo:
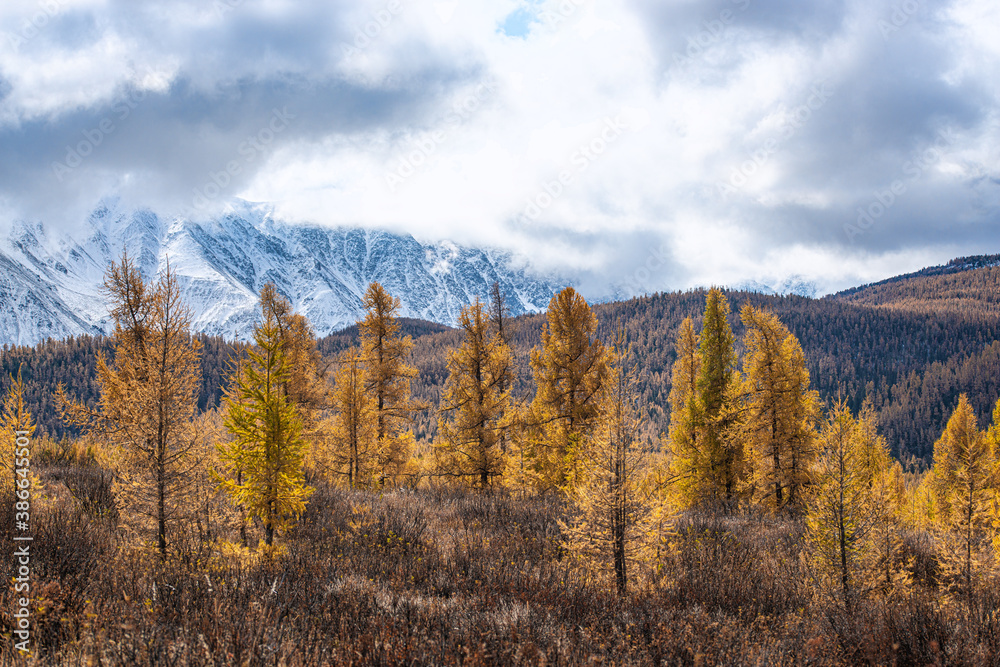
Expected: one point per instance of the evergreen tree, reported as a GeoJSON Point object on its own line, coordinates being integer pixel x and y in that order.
{"type": "Point", "coordinates": [148, 398]}
{"type": "Point", "coordinates": [609, 532]}
{"type": "Point", "coordinates": [964, 492]}
{"type": "Point", "coordinates": [264, 463]}
{"type": "Point", "coordinates": [569, 371]}
{"type": "Point", "coordinates": [779, 410]}
{"type": "Point", "coordinates": [476, 406]}
{"type": "Point", "coordinates": [723, 465]}
{"type": "Point", "coordinates": [388, 380]}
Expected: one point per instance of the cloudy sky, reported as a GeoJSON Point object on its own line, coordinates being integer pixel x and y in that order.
{"type": "Point", "coordinates": [650, 144]}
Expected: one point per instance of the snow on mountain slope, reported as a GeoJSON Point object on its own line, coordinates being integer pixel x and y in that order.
{"type": "Point", "coordinates": [50, 283]}
{"type": "Point", "coordinates": [792, 285]}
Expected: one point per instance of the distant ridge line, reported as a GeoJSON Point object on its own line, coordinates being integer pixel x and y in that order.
{"type": "Point", "coordinates": [957, 265]}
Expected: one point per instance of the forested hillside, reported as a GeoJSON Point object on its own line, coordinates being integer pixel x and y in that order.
{"type": "Point", "coordinates": [913, 365]}
{"type": "Point", "coordinates": [72, 362]}
{"type": "Point", "coordinates": [967, 286]}
{"type": "Point", "coordinates": [911, 344]}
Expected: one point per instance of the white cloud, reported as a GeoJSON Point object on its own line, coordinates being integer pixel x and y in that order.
{"type": "Point", "coordinates": [423, 116]}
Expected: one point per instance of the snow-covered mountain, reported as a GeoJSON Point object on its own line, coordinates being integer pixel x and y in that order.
{"type": "Point", "coordinates": [50, 282]}
{"type": "Point", "coordinates": [792, 285]}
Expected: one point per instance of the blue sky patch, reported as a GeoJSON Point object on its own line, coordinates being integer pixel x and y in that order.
{"type": "Point", "coordinates": [518, 24]}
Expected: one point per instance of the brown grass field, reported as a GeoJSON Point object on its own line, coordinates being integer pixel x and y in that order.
{"type": "Point", "coordinates": [448, 577]}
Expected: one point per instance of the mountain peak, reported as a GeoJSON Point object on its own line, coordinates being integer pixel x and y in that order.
{"type": "Point", "coordinates": [53, 282]}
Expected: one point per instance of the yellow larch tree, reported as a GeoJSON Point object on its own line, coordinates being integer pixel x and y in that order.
{"type": "Point", "coordinates": [779, 411]}
{"type": "Point", "coordinates": [569, 371]}
{"type": "Point", "coordinates": [891, 496]}
{"type": "Point", "coordinates": [305, 383]}
{"type": "Point", "coordinates": [353, 435]}
{"type": "Point", "coordinates": [148, 399]}
{"type": "Point", "coordinates": [921, 508]}
{"type": "Point", "coordinates": [262, 468]}
{"type": "Point", "coordinates": [849, 510]}
{"type": "Point", "coordinates": [387, 380]}
{"type": "Point", "coordinates": [475, 410]}
{"type": "Point", "coordinates": [964, 494]}
{"type": "Point", "coordinates": [993, 436]}
{"type": "Point", "coordinates": [212, 514]}
{"type": "Point", "coordinates": [15, 423]}
{"type": "Point", "coordinates": [685, 460]}
{"type": "Point", "coordinates": [608, 532]}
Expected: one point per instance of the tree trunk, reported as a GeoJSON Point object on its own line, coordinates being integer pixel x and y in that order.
{"type": "Point", "coordinates": [161, 529]}
{"type": "Point", "coordinates": [619, 522]}
{"type": "Point", "coordinates": [776, 461]}
{"type": "Point", "coordinates": [161, 507]}
{"type": "Point", "coordinates": [844, 580]}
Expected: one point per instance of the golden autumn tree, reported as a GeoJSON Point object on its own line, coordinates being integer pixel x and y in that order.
{"type": "Point", "coordinates": [779, 411]}
{"type": "Point", "coordinates": [686, 462]}
{"type": "Point", "coordinates": [475, 410]}
{"type": "Point", "coordinates": [569, 371]}
{"type": "Point", "coordinates": [305, 384]}
{"type": "Point", "coordinates": [212, 513]}
{"type": "Point", "coordinates": [262, 468]}
{"type": "Point", "coordinates": [660, 526]}
{"type": "Point", "coordinates": [15, 423]}
{"type": "Point", "coordinates": [993, 437]}
{"type": "Point", "coordinates": [890, 495]}
{"type": "Point", "coordinates": [608, 532]}
{"type": "Point", "coordinates": [920, 509]}
{"type": "Point", "coordinates": [964, 492]}
{"type": "Point", "coordinates": [721, 468]}
{"type": "Point", "coordinates": [353, 434]}
{"type": "Point", "coordinates": [148, 399]}
{"type": "Point", "coordinates": [849, 513]}
{"type": "Point", "coordinates": [387, 380]}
